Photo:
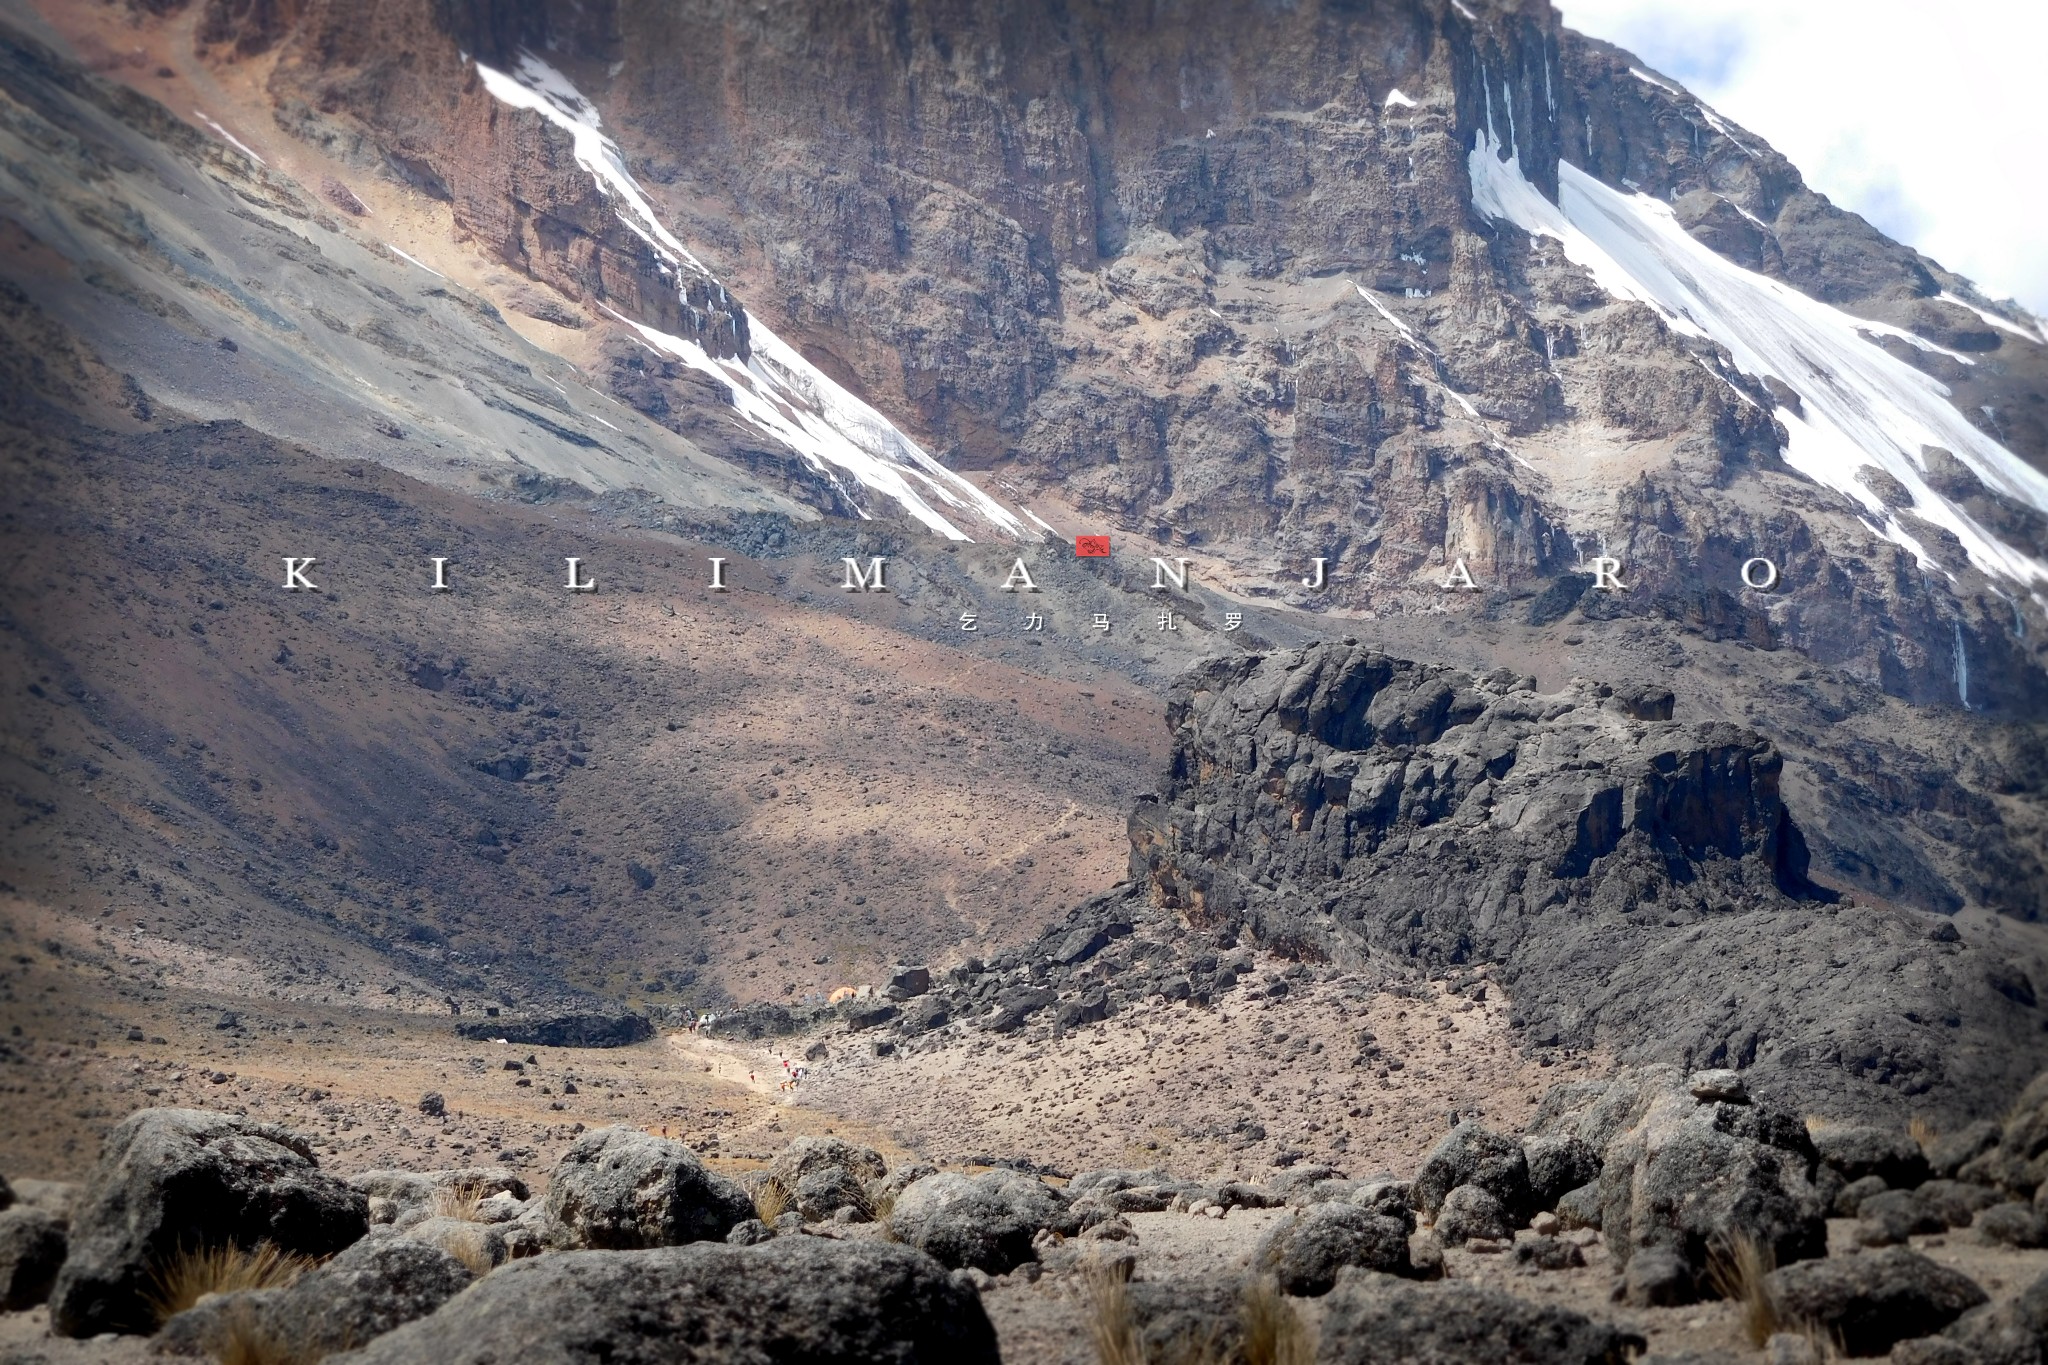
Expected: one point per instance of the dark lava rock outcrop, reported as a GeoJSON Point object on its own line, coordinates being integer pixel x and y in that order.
{"type": "Point", "coordinates": [1637, 878]}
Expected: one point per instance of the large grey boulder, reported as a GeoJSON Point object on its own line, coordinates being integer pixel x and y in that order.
{"type": "Point", "coordinates": [1305, 1253]}
{"type": "Point", "coordinates": [376, 1285]}
{"type": "Point", "coordinates": [1379, 1320]}
{"type": "Point", "coordinates": [32, 1245]}
{"type": "Point", "coordinates": [807, 1154]}
{"type": "Point", "coordinates": [1869, 1302]}
{"type": "Point", "coordinates": [1696, 1178]}
{"type": "Point", "coordinates": [829, 1189]}
{"type": "Point", "coordinates": [1472, 1155]}
{"type": "Point", "coordinates": [1950, 1152]}
{"type": "Point", "coordinates": [1558, 1163]}
{"type": "Point", "coordinates": [1886, 1153]}
{"type": "Point", "coordinates": [1889, 1217]}
{"type": "Point", "coordinates": [807, 1300]}
{"type": "Point", "coordinates": [2013, 1224]}
{"type": "Point", "coordinates": [986, 1222]}
{"type": "Point", "coordinates": [170, 1179]}
{"type": "Point", "coordinates": [1470, 1212]}
{"type": "Point", "coordinates": [621, 1189]}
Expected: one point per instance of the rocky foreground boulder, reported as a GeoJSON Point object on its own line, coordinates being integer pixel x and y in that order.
{"type": "Point", "coordinates": [1306, 1254]}
{"type": "Point", "coordinates": [621, 1189]}
{"type": "Point", "coordinates": [793, 1299]}
{"type": "Point", "coordinates": [1379, 1320]}
{"type": "Point", "coordinates": [174, 1179]}
{"type": "Point", "coordinates": [376, 1285]}
{"type": "Point", "coordinates": [1870, 1303]}
{"type": "Point", "coordinates": [985, 1222]}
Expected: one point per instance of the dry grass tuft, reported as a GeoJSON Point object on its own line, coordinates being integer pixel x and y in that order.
{"type": "Point", "coordinates": [1112, 1322]}
{"type": "Point", "coordinates": [244, 1339]}
{"type": "Point", "coordinates": [1737, 1270]}
{"type": "Point", "coordinates": [1274, 1333]}
{"type": "Point", "coordinates": [462, 1202]}
{"type": "Point", "coordinates": [472, 1250]}
{"type": "Point", "coordinates": [772, 1200]}
{"type": "Point", "coordinates": [880, 1206]}
{"type": "Point", "coordinates": [1922, 1130]}
{"type": "Point", "coordinates": [188, 1276]}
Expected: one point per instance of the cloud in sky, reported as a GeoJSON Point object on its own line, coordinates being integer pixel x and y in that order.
{"type": "Point", "coordinates": [1925, 119]}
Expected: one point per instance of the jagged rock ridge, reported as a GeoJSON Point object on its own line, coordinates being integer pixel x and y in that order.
{"type": "Point", "coordinates": [1637, 877]}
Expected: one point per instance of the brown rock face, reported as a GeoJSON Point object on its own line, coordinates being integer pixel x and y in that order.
{"type": "Point", "coordinates": [1125, 259]}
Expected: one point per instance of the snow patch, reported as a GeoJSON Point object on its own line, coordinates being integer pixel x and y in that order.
{"type": "Point", "coordinates": [244, 148]}
{"type": "Point", "coordinates": [414, 260]}
{"type": "Point", "coordinates": [1861, 405]}
{"type": "Point", "coordinates": [1714, 120]}
{"type": "Point", "coordinates": [1647, 79]}
{"type": "Point", "coordinates": [1460, 8]}
{"type": "Point", "coordinates": [776, 389]}
{"type": "Point", "coordinates": [2003, 324]}
{"type": "Point", "coordinates": [1397, 100]}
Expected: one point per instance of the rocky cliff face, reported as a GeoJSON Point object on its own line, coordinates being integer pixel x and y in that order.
{"type": "Point", "coordinates": [1245, 285]}
{"type": "Point", "coordinates": [1341, 805]}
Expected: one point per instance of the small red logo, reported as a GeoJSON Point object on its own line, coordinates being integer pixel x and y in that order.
{"type": "Point", "coordinates": [1091, 547]}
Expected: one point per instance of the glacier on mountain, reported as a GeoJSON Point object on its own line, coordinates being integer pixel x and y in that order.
{"type": "Point", "coordinates": [1861, 405]}
{"type": "Point", "coordinates": [776, 390]}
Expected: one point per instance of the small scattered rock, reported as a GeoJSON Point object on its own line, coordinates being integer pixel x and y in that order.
{"type": "Point", "coordinates": [2013, 1225]}
{"type": "Point", "coordinates": [1718, 1087]}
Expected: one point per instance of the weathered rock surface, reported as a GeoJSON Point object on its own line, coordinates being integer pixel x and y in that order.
{"type": "Point", "coordinates": [32, 1246]}
{"type": "Point", "coordinates": [986, 1222]}
{"type": "Point", "coordinates": [1888, 1154]}
{"type": "Point", "coordinates": [622, 1189]}
{"type": "Point", "coordinates": [1306, 1253]}
{"type": "Point", "coordinates": [1870, 1302]}
{"type": "Point", "coordinates": [177, 1178]}
{"type": "Point", "coordinates": [1378, 1320]}
{"type": "Point", "coordinates": [808, 1154]}
{"type": "Point", "coordinates": [1468, 1212]}
{"type": "Point", "coordinates": [2011, 1333]}
{"type": "Point", "coordinates": [790, 1300]}
{"type": "Point", "coordinates": [1339, 803]}
{"type": "Point", "coordinates": [564, 1030]}
{"type": "Point", "coordinates": [1470, 1155]}
{"type": "Point", "coordinates": [374, 1286]}
{"type": "Point", "coordinates": [1558, 1164]}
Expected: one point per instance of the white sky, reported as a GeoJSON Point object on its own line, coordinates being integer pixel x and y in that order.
{"type": "Point", "coordinates": [1926, 119]}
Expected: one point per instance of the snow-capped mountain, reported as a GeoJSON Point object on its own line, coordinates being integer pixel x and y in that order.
{"type": "Point", "coordinates": [1433, 284]}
